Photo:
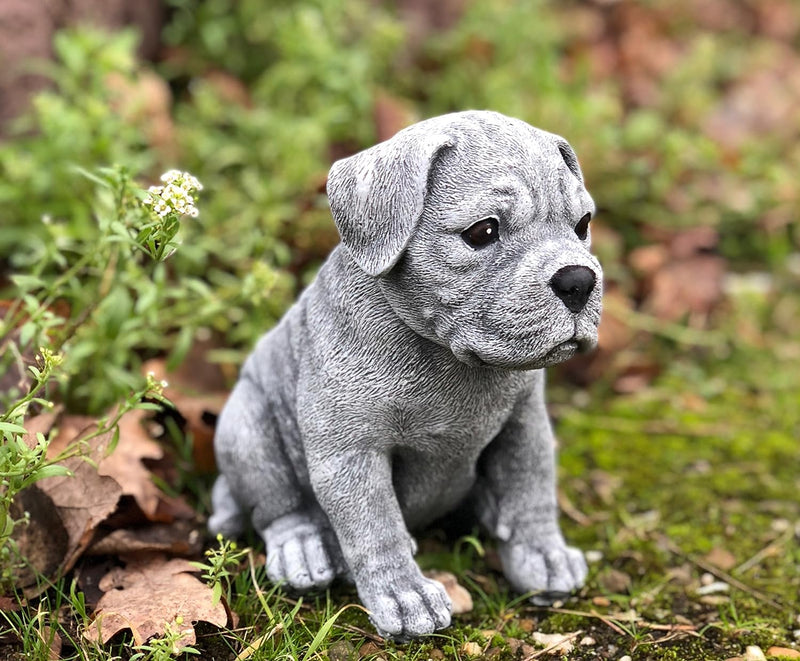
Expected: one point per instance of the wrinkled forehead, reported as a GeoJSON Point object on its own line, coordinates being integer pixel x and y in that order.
{"type": "Point", "coordinates": [504, 152]}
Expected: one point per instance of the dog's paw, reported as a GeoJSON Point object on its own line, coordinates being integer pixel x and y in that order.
{"type": "Point", "coordinates": [301, 554]}
{"type": "Point", "coordinates": [406, 607]}
{"type": "Point", "coordinates": [550, 571]}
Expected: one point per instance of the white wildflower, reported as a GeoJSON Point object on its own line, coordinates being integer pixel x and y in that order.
{"type": "Point", "coordinates": [175, 196]}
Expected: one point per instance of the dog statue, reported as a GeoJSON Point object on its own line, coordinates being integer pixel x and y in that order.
{"type": "Point", "coordinates": [408, 377]}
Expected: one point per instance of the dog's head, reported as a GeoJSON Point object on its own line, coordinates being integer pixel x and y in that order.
{"type": "Point", "coordinates": [476, 226]}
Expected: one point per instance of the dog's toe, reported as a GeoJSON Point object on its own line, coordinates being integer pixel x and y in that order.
{"type": "Point", "coordinates": [299, 554]}
{"type": "Point", "coordinates": [551, 572]}
{"type": "Point", "coordinates": [409, 607]}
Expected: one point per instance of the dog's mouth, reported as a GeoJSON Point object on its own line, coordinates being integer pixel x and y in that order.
{"type": "Point", "coordinates": [558, 354]}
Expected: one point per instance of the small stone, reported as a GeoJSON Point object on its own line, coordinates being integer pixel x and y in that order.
{"type": "Point", "coordinates": [615, 581]}
{"type": "Point", "coordinates": [371, 650]}
{"type": "Point", "coordinates": [587, 641]}
{"type": "Point", "coordinates": [514, 644]}
{"type": "Point", "coordinates": [754, 653]}
{"type": "Point", "coordinates": [714, 600]}
{"type": "Point", "coordinates": [527, 624]}
{"type": "Point", "coordinates": [796, 634]}
{"type": "Point", "coordinates": [460, 598]}
{"type": "Point", "coordinates": [625, 658]}
{"type": "Point", "coordinates": [471, 649]}
{"type": "Point", "coordinates": [556, 643]}
{"type": "Point", "coordinates": [601, 601]}
{"type": "Point", "coordinates": [341, 650]}
{"type": "Point", "coordinates": [436, 654]}
{"type": "Point", "coordinates": [786, 652]}
{"type": "Point", "coordinates": [713, 588]}
{"type": "Point", "coordinates": [721, 558]}
{"type": "Point", "coordinates": [707, 579]}
{"type": "Point", "coordinates": [593, 556]}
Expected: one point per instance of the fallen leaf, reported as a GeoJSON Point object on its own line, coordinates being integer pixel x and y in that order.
{"type": "Point", "coordinates": [43, 541]}
{"type": "Point", "coordinates": [150, 594]}
{"type": "Point", "coordinates": [391, 114]}
{"type": "Point", "coordinates": [177, 538]}
{"type": "Point", "coordinates": [83, 499]}
{"type": "Point", "coordinates": [125, 465]}
{"type": "Point", "coordinates": [197, 390]}
{"type": "Point", "coordinates": [461, 599]}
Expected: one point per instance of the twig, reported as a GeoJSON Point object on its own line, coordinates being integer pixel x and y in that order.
{"type": "Point", "coordinates": [768, 550]}
{"type": "Point", "coordinates": [375, 638]}
{"type": "Point", "coordinates": [571, 511]}
{"type": "Point", "coordinates": [724, 576]}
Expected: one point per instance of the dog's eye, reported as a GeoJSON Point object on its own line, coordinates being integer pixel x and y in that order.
{"type": "Point", "coordinates": [582, 228]}
{"type": "Point", "coordinates": [482, 233]}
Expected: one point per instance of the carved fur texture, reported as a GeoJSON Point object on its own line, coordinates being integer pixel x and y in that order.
{"type": "Point", "coordinates": [408, 378]}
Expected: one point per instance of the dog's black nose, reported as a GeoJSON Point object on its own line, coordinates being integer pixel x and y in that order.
{"type": "Point", "coordinates": [573, 284]}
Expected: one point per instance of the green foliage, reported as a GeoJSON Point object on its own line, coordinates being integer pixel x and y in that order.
{"type": "Point", "coordinates": [217, 569]}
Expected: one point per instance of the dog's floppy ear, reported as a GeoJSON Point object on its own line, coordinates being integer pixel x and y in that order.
{"type": "Point", "coordinates": [377, 196]}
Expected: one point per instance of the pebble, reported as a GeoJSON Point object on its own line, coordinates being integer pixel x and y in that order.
{"type": "Point", "coordinates": [707, 579]}
{"type": "Point", "coordinates": [786, 652]}
{"type": "Point", "coordinates": [625, 658]}
{"type": "Point", "coordinates": [587, 641]}
{"type": "Point", "coordinates": [593, 556]}
{"type": "Point", "coordinates": [471, 649]}
{"type": "Point", "coordinates": [555, 642]}
{"type": "Point", "coordinates": [796, 634]}
{"type": "Point", "coordinates": [754, 653]}
{"type": "Point", "coordinates": [713, 588]}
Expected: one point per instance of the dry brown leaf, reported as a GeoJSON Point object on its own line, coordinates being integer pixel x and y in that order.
{"type": "Point", "coordinates": [150, 594]}
{"type": "Point", "coordinates": [177, 538]}
{"type": "Point", "coordinates": [391, 114]}
{"type": "Point", "coordinates": [43, 541]}
{"type": "Point", "coordinates": [690, 286]}
{"type": "Point", "coordinates": [460, 598]}
{"type": "Point", "coordinates": [125, 466]}
{"type": "Point", "coordinates": [83, 499]}
{"type": "Point", "coordinates": [198, 392]}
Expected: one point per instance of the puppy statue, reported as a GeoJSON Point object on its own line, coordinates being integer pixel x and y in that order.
{"type": "Point", "coordinates": [408, 378]}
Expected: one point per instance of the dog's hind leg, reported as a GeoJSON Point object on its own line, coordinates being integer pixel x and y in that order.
{"type": "Point", "coordinates": [257, 445]}
{"type": "Point", "coordinates": [227, 518]}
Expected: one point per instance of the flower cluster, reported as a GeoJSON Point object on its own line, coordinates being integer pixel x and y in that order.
{"type": "Point", "coordinates": [175, 196]}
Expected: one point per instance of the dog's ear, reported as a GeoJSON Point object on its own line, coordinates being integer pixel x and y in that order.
{"type": "Point", "coordinates": [568, 154]}
{"type": "Point", "coordinates": [377, 196]}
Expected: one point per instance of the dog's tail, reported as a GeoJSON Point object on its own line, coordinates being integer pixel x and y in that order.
{"type": "Point", "coordinates": [227, 517]}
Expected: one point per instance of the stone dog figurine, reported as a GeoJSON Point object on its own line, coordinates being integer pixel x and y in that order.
{"type": "Point", "coordinates": [407, 379]}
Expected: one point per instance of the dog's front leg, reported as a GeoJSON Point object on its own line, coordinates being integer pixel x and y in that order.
{"type": "Point", "coordinates": [356, 492]}
{"type": "Point", "coordinates": [516, 498]}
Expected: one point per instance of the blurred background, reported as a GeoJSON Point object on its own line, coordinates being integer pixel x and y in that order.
{"type": "Point", "coordinates": [685, 116]}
